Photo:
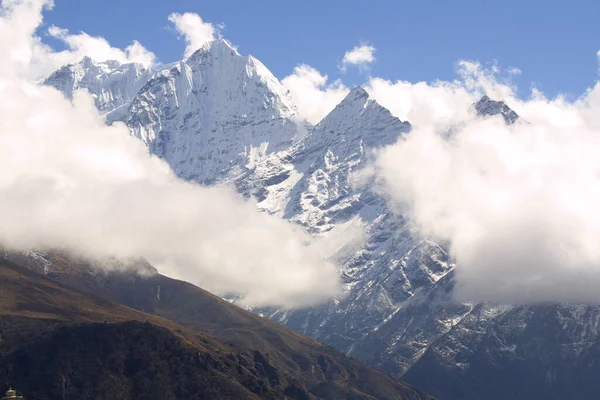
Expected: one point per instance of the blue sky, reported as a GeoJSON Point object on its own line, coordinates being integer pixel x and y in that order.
{"type": "Point", "coordinates": [553, 43]}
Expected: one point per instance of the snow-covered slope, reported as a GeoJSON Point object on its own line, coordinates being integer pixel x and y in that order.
{"type": "Point", "coordinates": [212, 113]}
{"type": "Point", "coordinates": [496, 352]}
{"type": "Point", "coordinates": [112, 84]}
{"type": "Point", "coordinates": [312, 181]}
{"type": "Point", "coordinates": [313, 184]}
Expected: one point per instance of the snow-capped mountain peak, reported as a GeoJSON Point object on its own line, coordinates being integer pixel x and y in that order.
{"type": "Point", "coordinates": [488, 107]}
{"type": "Point", "coordinates": [112, 84]}
{"type": "Point", "coordinates": [312, 183]}
{"type": "Point", "coordinates": [356, 101]}
{"type": "Point", "coordinates": [226, 64]}
{"type": "Point", "coordinates": [213, 112]}
{"type": "Point", "coordinates": [220, 45]}
{"type": "Point", "coordinates": [358, 117]}
{"type": "Point", "coordinates": [356, 93]}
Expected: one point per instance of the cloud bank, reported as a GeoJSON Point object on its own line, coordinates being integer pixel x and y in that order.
{"type": "Point", "coordinates": [420, 103]}
{"type": "Point", "coordinates": [69, 181]}
{"type": "Point", "coordinates": [518, 204]}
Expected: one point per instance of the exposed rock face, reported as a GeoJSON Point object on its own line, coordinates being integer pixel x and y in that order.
{"type": "Point", "coordinates": [488, 107]}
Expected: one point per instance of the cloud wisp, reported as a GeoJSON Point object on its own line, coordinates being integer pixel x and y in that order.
{"type": "Point", "coordinates": [194, 30]}
{"type": "Point", "coordinates": [99, 49]}
{"type": "Point", "coordinates": [361, 56]}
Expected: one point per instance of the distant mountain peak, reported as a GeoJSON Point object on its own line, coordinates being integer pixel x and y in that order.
{"type": "Point", "coordinates": [358, 92]}
{"type": "Point", "coordinates": [488, 107]}
{"type": "Point", "coordinates": [357, 123]}
{"type": "Point", "coordinates": [358, 95]}
{"type": "Point", "coordinates": [216, 47]}
{"type": "Point", "coordinates": [112, 84]}
{"type": "Point", "coordinates": [357, 103]}
{"type": "Point", "coordinates": [88, 62]}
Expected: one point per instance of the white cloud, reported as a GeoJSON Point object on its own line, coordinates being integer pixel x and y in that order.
{"type": "Point", "coordinates": [192, 28]}
{"type": "Point", "coordinates": [518, 204]}
{"type": "Point", "coordinates": [514, 71]}
{"type": "Point", "coordinates": [69, 181]}
{"type": "Point", "coordinates": [313, 96]}
{"type": "Point", "coordinates": [99, 49]}
{"type": "Point", "coordinates": [361, 55]}
{"type": "Point", "coordinates": [136, 52]}
{"type": "Point", "coordinates": [423, 103]}
{"type": "Point", "coordinates": [38, 60]}
{"type": "Point", "coordinates": [477, 79]}
{"type": "Point", "coordinates": [16, 33]}
{"type": "Point", "coordinates": [419, 103]}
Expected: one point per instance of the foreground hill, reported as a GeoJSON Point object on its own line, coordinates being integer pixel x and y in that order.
{"type": "Point", "coordinates": [58, 342]}
{"type": "Point", "coordinates": [56, 337]}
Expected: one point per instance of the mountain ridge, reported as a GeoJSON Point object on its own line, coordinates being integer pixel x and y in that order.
{"type": "Point", "coordinates": [113, 85]}
{"type": "Point", "coordinates": [397, 312]}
